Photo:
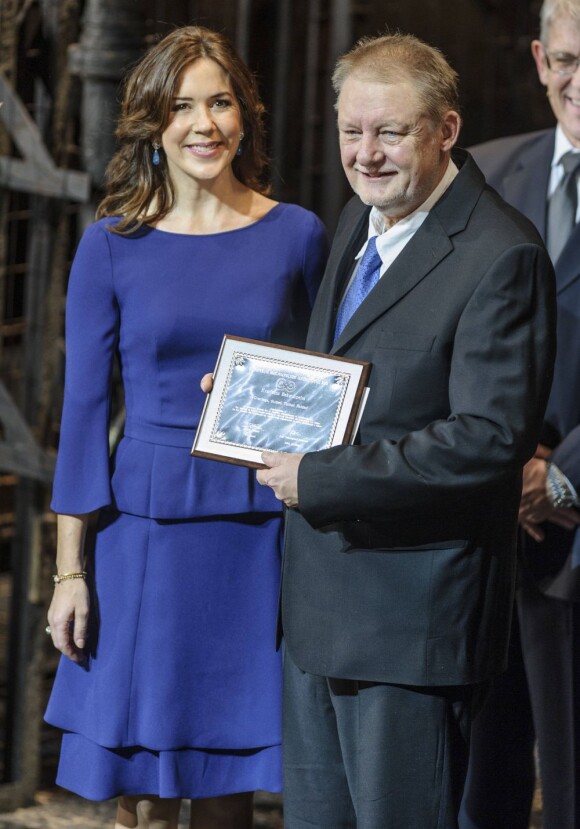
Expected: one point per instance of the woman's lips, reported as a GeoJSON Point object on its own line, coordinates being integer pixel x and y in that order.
{"type": "Point", "coordinates": [206, 148]}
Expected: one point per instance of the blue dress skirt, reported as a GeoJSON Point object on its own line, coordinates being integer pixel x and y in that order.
{"type": "Point", "coordinates": [169, 701]}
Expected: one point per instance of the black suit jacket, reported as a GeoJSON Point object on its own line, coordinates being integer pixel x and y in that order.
{"type": "Point", "coordinates": [399, 565]}
{"type": "Point", "coordinates": [519, 168]}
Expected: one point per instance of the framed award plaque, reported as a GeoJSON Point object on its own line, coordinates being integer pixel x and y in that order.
{"type": "Point", "coordinates": [269, 397]}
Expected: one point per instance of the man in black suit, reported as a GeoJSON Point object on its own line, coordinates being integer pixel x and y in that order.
{"type": "Point", "coordinates": [539, 697]}
{"type": "Point", "coordinates": [400, 550]}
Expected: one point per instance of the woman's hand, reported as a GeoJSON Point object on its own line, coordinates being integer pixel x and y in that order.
{"type": "Point", "coordinates": [206, 383]}
{"type": "Point", "coordinates": [68, 617]}
{"type": "Point", "coordinates": [68, 614]}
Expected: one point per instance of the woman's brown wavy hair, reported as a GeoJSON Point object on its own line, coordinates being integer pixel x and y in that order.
{"type": "Point", "coordinates": [137, 190]}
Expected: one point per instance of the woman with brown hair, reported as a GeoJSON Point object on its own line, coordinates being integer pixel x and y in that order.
{"type": "Point", "coordinates": [170, 684]}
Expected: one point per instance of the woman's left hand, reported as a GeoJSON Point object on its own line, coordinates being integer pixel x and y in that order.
{"type": "Point", "coordinates": [206, 383]}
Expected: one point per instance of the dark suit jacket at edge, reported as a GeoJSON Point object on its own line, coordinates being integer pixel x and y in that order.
{"type": "Point", "coordinates": [399, 566]}
{"type": "Point", "coordinates": [519, 169]}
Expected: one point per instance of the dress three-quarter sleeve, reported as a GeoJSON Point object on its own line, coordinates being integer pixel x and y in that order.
{"type": "Point", "coordinates": [82, 480]}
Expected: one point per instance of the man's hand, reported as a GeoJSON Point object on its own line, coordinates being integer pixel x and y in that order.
{"type": "Point", "coordinates": [569, 519]}
{"type": "Point", "coordinates": [536, 507]}
{"type": "Point", "coordinates": [281, 475]}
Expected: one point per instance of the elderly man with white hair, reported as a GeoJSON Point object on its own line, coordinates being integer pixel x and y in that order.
{"type": "Point", "coordinates": [539, 697]}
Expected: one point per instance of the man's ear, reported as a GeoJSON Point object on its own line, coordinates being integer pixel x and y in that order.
{"type": "Point", "coordinates": [450, 127]}
{"type": "Point", "coordinates": [539, 55]}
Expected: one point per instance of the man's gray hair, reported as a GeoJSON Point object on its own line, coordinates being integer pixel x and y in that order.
{"type": "Point", "coordinates": [398, 57]}
{"type": "Point", "coordinates": [554, 9]}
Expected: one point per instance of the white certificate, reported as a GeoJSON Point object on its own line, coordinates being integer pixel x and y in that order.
{"type": "Point", "coordinates": [283, 399]}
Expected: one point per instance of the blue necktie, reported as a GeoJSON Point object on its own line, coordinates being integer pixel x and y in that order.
{"type": "Point", "coordinates": [364, 281]}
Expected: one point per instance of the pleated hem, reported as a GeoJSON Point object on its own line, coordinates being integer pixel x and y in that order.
{"type": "Point", "coordinates": [98, 773]}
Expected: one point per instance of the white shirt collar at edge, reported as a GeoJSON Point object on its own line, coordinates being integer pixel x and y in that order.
{"type": "Point", "coordinates": [561, 146]}
{"type": "Point", "coordinates": [411, 223]}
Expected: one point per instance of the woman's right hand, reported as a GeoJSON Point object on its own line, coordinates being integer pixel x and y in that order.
{"type": "Point", "coordinates": [206, 383]}
{"type": "Point", "coordinates": [68, 617]}
{"type": "Point", "coordinates": [68, 614]}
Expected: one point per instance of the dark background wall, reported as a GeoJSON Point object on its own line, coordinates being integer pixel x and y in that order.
{"type": "Point", "coordinates": [293, 46]}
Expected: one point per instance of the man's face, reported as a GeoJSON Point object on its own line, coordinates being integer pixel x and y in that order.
{"type": "Point", "coordinates": [393, 155]}
{"type": "Point", "coordinates": [563, 90]}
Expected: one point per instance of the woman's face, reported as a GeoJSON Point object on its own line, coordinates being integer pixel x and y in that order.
{"type": "Point", "coordinates": [203, 133]}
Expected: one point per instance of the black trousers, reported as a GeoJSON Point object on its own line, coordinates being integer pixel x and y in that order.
{"type": "Point", "coordinates": [362, 755]}
{"type": "Point", "coordinates": [538, 698]}
{"type": "Point", "coordinates": [501, 777]}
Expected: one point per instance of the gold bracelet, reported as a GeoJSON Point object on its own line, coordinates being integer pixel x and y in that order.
{"type": "Point", "coordinates": [65, 576]}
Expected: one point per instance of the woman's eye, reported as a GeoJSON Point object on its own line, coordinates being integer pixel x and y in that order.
{"type": "Point", "coordinates": [222, 103]}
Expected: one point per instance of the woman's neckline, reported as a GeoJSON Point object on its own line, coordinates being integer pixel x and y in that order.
{"type": "Point", "coordinates": [218, 232]}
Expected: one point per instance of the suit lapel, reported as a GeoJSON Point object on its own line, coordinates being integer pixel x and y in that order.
{"type": "Point", "coordinates": [425, 250]}
{"type": "Point", "coordinates": [349, 238]}
{"type": "Point", "coordinates": [568, 265]}
{"type": "Point", "coordinates": [534, 166]}
{"type": "Point", "coordinates": [526, 189]}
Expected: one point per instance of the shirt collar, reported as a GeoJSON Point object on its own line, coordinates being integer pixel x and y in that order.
{"type": "Point", "coordinates": [561, 146]}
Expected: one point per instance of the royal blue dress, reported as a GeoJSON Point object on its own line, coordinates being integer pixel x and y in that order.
{"type": "Point", "coordinates": [181, 692]}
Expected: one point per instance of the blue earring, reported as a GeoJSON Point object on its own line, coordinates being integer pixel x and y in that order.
{"type": "Point", "coordinates": [156, 159]}
{"type": "Point", "coordinates": [240, 149]}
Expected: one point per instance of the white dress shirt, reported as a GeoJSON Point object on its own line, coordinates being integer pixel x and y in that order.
{"type": "Point", "coordinates": [392, 240]}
